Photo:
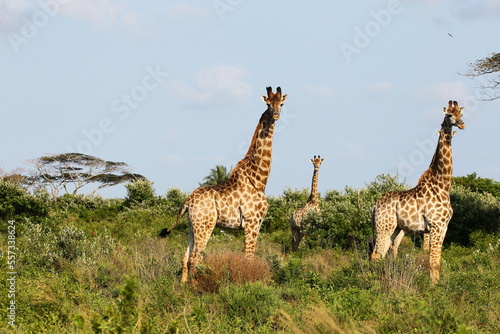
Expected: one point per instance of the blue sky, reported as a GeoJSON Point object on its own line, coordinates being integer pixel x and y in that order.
{"type": "Point", "coordinates": [172, 87]}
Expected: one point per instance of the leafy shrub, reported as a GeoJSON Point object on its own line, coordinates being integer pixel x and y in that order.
{"type": "Point", "coordinates": [345, 218]}
{"type": "Point", "coordinates": [174, 199]}
{"type": "Point", "coordinates": [140, 191]}
{"type": "Point", "coordinates": [472, 211]}
{"type": "Point", "coordinates": [88, 208]}
{"type": "Point", "coordinates": [15, 202]}
{"type": "Point", "coordinates": [281, 209]}
{"type": "Point", "coordinates": [45, 248]}
{"type": "Point", "coordinates": [249, 305]}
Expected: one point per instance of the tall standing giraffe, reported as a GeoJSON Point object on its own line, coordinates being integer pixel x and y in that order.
{"type": "Point", "coordinates": [240, 201]}
{"type": "Point", "coordinates": [425, 208]}
{"type": "Point", "coordinates": [312, 205]}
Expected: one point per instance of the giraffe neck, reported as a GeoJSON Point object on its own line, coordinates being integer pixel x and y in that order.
{"type": "Point", "coordinates": [441, 166]}
{"type": "Point", "coordinates": [313, 198]}
{"type": "Point", "coordinates": [256, 165]}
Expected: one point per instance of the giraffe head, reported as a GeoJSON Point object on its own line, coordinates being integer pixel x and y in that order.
{"type": "Point", "coordinates": [454, 115]}
{"type": "Point", "coordinates": [274, 101]}
{"type": "Point", "coordinates": [317, 162]}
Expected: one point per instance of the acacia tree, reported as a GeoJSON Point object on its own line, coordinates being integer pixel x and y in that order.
{"type": "Point", "coordinates": [486, 66]}
{"type": "Point", "coordinates": [59, 171]}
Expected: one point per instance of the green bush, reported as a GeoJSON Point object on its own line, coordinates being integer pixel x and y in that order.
{"type": "Point", "coordinates": [472, 212]}
{"type": "Point", "coordinates": [140, 192]}
{"type": "Point", "coordinates": [281, 209]}
{"type": "Point", "coordinates": [249, 305]}
{"type": "Point", "coordinates": [15, 203]}
{"type": "Point", "coordinates": [345, 218]}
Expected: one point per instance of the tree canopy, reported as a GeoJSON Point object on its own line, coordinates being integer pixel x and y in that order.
{"type": "Point", "coordinates": [217, 175]}
{"type": "Point", "coordinates": [478, 184]}
{"type": "Point", "coordinates": [486, 66]}
{"type": "Point", "coordinates": [76, 170]}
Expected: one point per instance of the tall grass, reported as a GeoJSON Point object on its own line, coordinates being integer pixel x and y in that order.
{"type": "Point", "coordinates": [73, 280]}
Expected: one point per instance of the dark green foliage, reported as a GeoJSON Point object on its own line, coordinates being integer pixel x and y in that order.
{"type": "Point", "coordinates": [94, 265]}
{"type": "Point", "coordinates": [249, 305]}
{"type": "Point", "coordinates": [472, 211]}
{"type": "Point", "coordinates": [15, 202]}
{"type": "Point", "coordinates": [174, 199]}
{"type": "Point", "coordinates": [478, 184]}
{"type": "Point", "coordinates": [345, 218]}
{"type": "Point", "coordinates": [140, 192]}
{"type": "Point", "coordinates": [217, 175]}
{"type": "Point", "coordinates": [281, 209]}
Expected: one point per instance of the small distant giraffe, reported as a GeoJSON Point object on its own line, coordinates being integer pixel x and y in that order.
{"type": "Point", "coordinates": [425, 208]}
{"type": "Point", "coordinates": [312, 205]}
{"type": "Point", "coordinates": [240, 201]}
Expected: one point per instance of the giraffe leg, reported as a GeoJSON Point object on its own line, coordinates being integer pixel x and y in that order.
{"type": "Point", "coordinates": [426, 242]}
{"type": "Point", "coordinates": [185, 259]}
{"type": "Point", "coordinates": [296, 234]}
{"type": "Point", "coordinates": [200, 227]}
{"type": "Point", "coordinates": [200, 243]}
{"type": "Point", "coordinates": [436, 244]}
{"type": "Point", "coordinates": [396, 238]}
{"type": "Point", "coordinates": [251, 234]}
{"type": "Point", "coordinates": [385, 228]}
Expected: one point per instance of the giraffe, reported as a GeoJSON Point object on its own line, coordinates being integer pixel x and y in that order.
{"type": "Point", "coordinates": [426, 208]}
{"type": "Point", "coordinates": [312, 205]}
{"type": "Point", "coordinates": [240, 201]}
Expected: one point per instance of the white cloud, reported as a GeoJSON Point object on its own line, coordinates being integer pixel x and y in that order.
{"type": "Point", "coordinates": [12, 10]}
{"type": "Point", "coordinates": [217, 85]}
{"type": "Point", "coordinates": [445, 91]}
{"type": "Point", "coordinates": [382, 87]}
{"type": "Point", "coordinates": [321, 91]}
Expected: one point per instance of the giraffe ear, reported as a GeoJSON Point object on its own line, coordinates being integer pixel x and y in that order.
{"type": "Point", "coordinates": [445, 111]}
{"type": "Point", "coordinates": [264, 98]}
{"type": "Point", "coordinates": [283, 99]}
{"type": "Point", "coordinates": [462, 111]}
{"type": "Point", "coordinates": [311, 160]}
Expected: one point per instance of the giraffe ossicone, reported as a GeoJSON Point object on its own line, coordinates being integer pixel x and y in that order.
{"type": "Point", "coordinates": [426, 208]}
{"type": "Point", "coordinates": [312, 205]}
{"type": "Point", "coordinates": [239, 202]}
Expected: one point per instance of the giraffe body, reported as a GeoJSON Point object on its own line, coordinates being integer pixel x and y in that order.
{"type": "Point", "coordinates": [312, 205]}
{"type": "Point", "coordinates": [239, 202]}
{"type": "Point", "coordinates": [424, 209]}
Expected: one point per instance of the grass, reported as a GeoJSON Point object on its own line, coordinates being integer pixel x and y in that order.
{"type": "Point", "coordinates": [71, 280]}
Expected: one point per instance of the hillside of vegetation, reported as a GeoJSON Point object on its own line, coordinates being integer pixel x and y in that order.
{"type": "Point", "coordinates": [86, 264]}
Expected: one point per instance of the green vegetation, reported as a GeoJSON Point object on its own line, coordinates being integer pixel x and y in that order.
{"type": "Point", "coordinates": [86, 264]}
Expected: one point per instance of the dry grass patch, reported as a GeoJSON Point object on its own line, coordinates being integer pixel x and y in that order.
{"type": "Point", "coordinates": [225, 267]}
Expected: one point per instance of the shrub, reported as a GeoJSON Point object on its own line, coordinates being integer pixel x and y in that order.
{"type": "Point", "coordinates": [345, 218]}
{"type": "Point", "coordinates": [15, 202]}
{"type": "Point", "coordinates": [174, 199]}
{"type": "Point", "coordinates": [49, 249]}
{"type": "Point", "coordinates": [249, 305]}
{"type": "Point", "coordinates": [472, 212]}
{"type": "Point", "coordinates": [281, 209]}
{"type": "Point", "coordinates": [140, 192]}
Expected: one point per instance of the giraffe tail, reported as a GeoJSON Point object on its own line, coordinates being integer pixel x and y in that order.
{"type": "Point", "coordinates": [165, 231]}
